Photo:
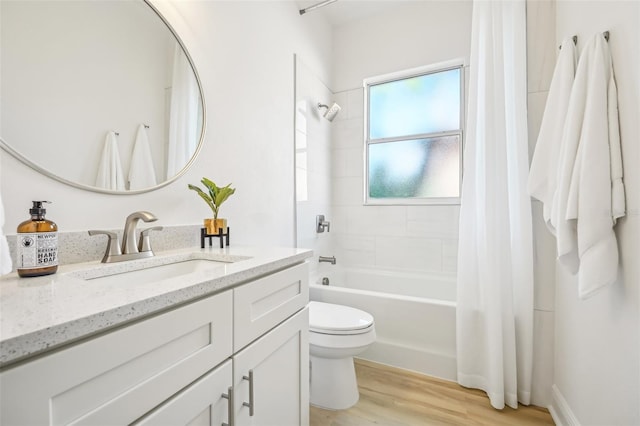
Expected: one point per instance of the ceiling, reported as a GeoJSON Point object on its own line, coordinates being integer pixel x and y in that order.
{"type": "Point", "coordinates": [345, 11]}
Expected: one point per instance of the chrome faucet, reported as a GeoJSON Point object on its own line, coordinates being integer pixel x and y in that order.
{"type": "Point", "coordinates": [130, 250]}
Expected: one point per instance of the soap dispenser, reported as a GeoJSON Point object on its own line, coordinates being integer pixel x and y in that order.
{"type": "Point", "coordinates": [37, 244]}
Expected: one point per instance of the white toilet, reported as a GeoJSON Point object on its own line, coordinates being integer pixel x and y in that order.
{"type": "Point", "coordinates": [336, 334]}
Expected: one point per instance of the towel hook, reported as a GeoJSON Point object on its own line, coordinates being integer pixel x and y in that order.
{"type": "Point", "coordinates": [575, 41]}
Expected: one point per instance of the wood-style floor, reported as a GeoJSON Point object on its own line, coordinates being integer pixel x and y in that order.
{"type": "Point", "coordinates": [395, 397]}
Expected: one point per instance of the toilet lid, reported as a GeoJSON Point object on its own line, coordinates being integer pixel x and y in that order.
{"type": "Point", "coordinates": [327, 318]}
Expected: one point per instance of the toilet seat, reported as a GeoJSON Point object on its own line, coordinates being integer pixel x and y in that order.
{"type": "Point", "coordinates": [327, 318]}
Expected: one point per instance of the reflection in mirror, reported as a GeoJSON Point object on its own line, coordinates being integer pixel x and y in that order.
{"type": "Point", "coordinates": [97, 94]}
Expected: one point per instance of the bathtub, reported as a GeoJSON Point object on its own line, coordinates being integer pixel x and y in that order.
{"type": "Point", "coordinates": [414, 315]}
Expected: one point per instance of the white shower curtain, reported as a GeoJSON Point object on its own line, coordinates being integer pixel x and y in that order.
{"type": "Point", "coordinates": [495, 256]}
{"type": "Point", "coordinates": [184, 114]}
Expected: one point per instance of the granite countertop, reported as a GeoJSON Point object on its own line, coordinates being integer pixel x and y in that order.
{"type": "Point", "coordinates": [41, 313]}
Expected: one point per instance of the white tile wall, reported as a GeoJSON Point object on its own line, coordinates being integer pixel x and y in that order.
{"type": "Point", "coordinates": [355, 103]}
{"type": "Point", "coordinates": [377, 220]}
{"type": "Point", "coordinates": [358, 258]}
{"type": "Point", "coordinates": [416, 254]}
{"type": "Point", "coordinates": [347, 191]}
{"type": "Point", "coordinates": [347, 133]}
{"type": "Point", "coordinates": [347, 162]}
{"type": "Point", "coordinates": [364, 243]}
{"type": "Point", "coordinates": [433, 221]}
{"type": "Point", "coordinates": [450, 255]}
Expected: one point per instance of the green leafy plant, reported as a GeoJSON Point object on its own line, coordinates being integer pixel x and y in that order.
{"type": "Point", "coordinates": [215, 195]}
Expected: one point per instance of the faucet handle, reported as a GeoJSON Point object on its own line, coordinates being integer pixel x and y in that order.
{"type": "Point", "coordinates": [322, 224]}
{"type": "Point", "coordinates": [113, 244]}
{"type": "Point", "coordinates": [144, 243]}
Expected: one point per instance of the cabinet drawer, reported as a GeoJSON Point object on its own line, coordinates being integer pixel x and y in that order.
{"type": "Point", "coordinates": [262, 304]}
{"type": "Point", "coordinates": [118, 377]}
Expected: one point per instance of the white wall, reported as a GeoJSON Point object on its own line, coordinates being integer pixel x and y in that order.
{"type": "Point", "coordinates": [244, 55]}
{"type": "Point", "coordinates": [597, 354]}
{"type": "Point", "coordinates": [418, 238]}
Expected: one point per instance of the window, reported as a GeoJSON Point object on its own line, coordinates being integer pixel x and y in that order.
{"type": "Point", "coordinates": [414, 136]}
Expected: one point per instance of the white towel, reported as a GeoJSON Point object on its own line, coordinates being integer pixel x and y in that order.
{"type": "Point", "coordinates": [592, 194]}
{"type": "Point", "coordinates": [5, 256]}
{"type": "Point", "coordinates": [141, 171]}
{"type": "Point", "coordinates": [544, 165]}
{"type": "Point", "coordinates": [110, 174]}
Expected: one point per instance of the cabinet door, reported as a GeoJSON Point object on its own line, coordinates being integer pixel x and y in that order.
{"type": "Point", "coordinates": [201, 404]}
{"type": "Point", "coordinates": [117, 377]}
{"type": "Point", "coordinates": [276, 369]}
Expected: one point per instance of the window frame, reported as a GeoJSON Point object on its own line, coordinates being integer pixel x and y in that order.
{"type": "Point", "coordinates": [403, 75]}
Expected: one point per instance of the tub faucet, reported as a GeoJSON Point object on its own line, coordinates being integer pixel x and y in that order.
{"type": "Point", "coordinates": [328, 259]}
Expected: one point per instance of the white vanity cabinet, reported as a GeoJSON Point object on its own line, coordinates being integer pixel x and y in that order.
{"type": "Point", "coordinates": [180, 366]}
{"type": "Point", "coordinates": [269, 386]}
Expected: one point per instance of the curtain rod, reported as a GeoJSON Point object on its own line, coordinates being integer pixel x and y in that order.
{"type": "Point", "coordinates": [316, 6]}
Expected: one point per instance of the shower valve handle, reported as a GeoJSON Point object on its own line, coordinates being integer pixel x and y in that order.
{"type": "Point", "coordinates": [322, 224]}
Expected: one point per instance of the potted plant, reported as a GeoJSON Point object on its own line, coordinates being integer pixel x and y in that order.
{"type": "Point", "coordinates": [214, 197]}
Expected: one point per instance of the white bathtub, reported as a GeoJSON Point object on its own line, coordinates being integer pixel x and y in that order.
{"type": "Point", "coordinates": [414, 315]}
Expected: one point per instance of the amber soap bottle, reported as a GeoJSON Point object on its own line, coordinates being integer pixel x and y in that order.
{"type": "Point", "coordinates": [37, 244]}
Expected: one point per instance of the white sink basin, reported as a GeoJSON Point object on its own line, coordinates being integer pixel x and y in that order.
{"type": "Point", "coordinates": [154, 269]}
{"type": "Point", "coordinates": [158, 273]}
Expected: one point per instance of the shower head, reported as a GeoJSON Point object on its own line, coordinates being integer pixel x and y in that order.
{"type": "Point", "coordinates": [331, 112]}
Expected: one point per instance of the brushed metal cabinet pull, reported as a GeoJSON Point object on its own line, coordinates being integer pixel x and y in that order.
{"type": "Point", "coordinates": [230, 407]}
{"type": "Point", "coordinates": [250, 404]}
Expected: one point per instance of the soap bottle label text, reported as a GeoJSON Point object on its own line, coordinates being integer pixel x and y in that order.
{"type": "Point", "coordinates": [37, 250]}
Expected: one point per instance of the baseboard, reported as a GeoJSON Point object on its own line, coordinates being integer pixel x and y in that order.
{"type": "Point", "coordinates": [560, 410]}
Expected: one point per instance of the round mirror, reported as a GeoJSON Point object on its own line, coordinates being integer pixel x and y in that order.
{"type": "Point", "coordinates": [98, 94]}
